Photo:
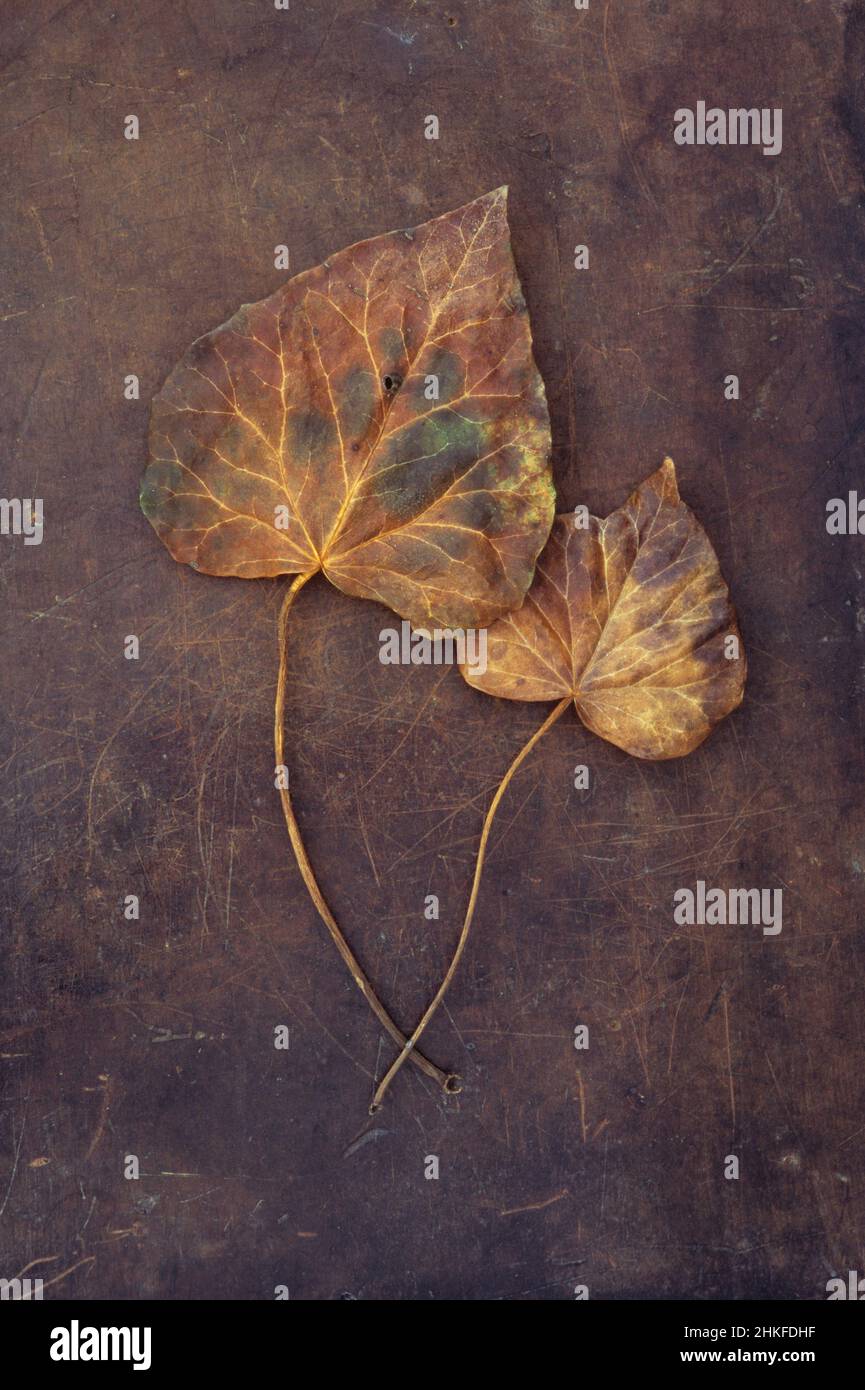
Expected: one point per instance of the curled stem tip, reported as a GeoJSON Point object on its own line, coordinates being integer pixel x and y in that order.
{"type": "Point", "coordinates": [324, 912]}
{"type": "Point", "coordinates": [453, 1083]}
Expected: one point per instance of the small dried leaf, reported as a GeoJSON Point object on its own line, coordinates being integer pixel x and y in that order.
{"type": "Point", "coordinates": [631, 617]}
{"type": "Point", "coordinates": [305, 433]}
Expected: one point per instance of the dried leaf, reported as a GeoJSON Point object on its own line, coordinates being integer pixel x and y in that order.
{"type": "Point", "coordinates": [631, 617]}
{"type": "Point", "coordinates": [379, 419]}
{"type": "Point", "coordinates": [299, 436]}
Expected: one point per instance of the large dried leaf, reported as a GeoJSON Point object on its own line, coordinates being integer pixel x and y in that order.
{"type": "Point", "coordinates": [630, 616]}
{"type": "Point", "coordinates": [299, 436]}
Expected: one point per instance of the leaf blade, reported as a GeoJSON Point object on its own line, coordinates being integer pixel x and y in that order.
{"type": "Point", "coordinates": [315, 400]}
{"type": "Point", "coordinates": [631, 616]}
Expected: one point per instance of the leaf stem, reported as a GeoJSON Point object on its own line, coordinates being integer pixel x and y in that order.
{"type": "Point", "coordinates": [302, 858]}
{"type": "Point", "coordinates": [408, 1049]}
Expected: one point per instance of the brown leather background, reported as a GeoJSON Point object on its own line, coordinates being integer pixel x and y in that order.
{"type": "Point", "coordinates": [154, 777]}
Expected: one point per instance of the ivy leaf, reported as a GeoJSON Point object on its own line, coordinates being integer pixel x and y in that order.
{"type": "Point", "coordinates": [631, 617]}
{"type": "Point", "coordinates": [379, 418]}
